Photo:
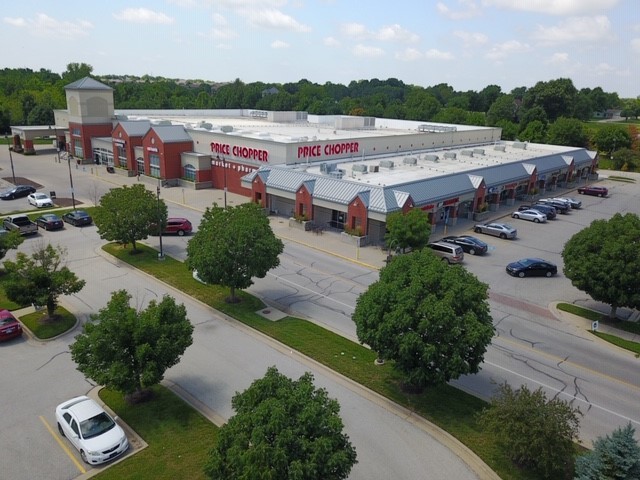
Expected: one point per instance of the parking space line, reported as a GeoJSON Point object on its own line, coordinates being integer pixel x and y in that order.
{"type": "Point", "coordinates": [63, 446]}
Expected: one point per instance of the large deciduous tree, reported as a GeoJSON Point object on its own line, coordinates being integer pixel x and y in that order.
{"type": "Point", "coordinates": [536, 433]}
{"type": "Point", "coordinates": [10, 241]}
{"type": "Point", "coordinates": [613, 457]}
{"type": "Point", "coordinates": [603, 260]}
{"type": "Point", "coordinates": [129, 350]}
{"type": "Point", "coordinates": [611, 138]}
{"type": "Point", "coordinates": [567, 131]}
{"type": "Point", "coordinates": [233, 245]}
{"type": "Point", "coordinates": [407, 230]}
{"type": "Point", "coordinates": [41, 278]}
{"type": "Point", "coordinates": [129, 214]}
{"type": "Point", "coordinates": [431, 319]}
{"type": "Point", "coordinates": [282, 429]}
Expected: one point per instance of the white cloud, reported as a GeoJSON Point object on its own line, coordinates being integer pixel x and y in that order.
{"type": "Point", "coordinates": [635, 45]}
{"type": "Point", "coordinates": [554, 7]}
{"type": "Point", "coordinates": [142, 15]}
{"type": "Point", "coordinates": [275, 19]}
{"type": "Point", "coordinates": [575, 29]}
{"type": "Point", "coordinates": [15, 22]}
{"type": "Point", "coordinates": [435, 54]}
{"type": "Point", "coordinates": [221, 29]}
{"type": "Point", "coordinates": [558, 58]}
{"type": "Point", "coordinates": [471, 39]}
{"type": "Point", "coordinates": [502, 50]}
{"type": "Point", "coordinates": [409, 55]}
{"type": "Point", "coordinates": [331, 42]}
{"type": "Point", "coordinates": [468, 9]}
{"type": "Point", "coordinates": [604, 69]}
{"type": "Point", "coordinates": [279, 44]}
{"type": "Point", "coordinates": [45, 26]}
{"type": "Point", "coordinates": [387, 33]}
{"type": "Point", "coordinates": [367, 51]}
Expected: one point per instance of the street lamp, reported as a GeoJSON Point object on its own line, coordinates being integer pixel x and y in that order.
{"type": "Point", "coordinates": [73, 197]}
{"type": "Point", "coordinates": [161, 254]}
{"type": "Point", "coordinates": [13, 173]}
{"type": "Point", "coordinates": [55, 130]}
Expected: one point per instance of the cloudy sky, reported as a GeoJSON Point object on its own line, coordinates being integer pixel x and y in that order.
{"type": "Point", "coordinates": [468, 44]}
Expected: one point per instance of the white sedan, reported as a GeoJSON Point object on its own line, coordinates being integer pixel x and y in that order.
{"type": "Point", "coordinates": [40, 200]}
{"type": "Point", "coordinates": [91, 430]}
{"type": "Point", "coordinates": [533, 215]}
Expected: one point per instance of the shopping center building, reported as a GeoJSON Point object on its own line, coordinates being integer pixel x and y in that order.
{"type": "Point", "coordinates": [341, 172]}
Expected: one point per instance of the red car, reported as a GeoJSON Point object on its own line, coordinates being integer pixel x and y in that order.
{"type": "Point", "coordinates": [593, 190]}
{"type": "Point", "coordinates": [9, 326]}
{"type": "Point", "coordinates": [176, 225]}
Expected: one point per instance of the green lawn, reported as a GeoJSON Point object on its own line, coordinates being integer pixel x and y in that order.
{"type": "Point", "coordinates": [453, 410]}
{"type": "Point", "coordinates": [178, 437]}
{"type": "Point", "coordinates": [43, 327]}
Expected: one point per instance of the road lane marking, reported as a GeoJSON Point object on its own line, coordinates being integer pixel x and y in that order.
{"type": "Point", "coordinates": [63, 446]}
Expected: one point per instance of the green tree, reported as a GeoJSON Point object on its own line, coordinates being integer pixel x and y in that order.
{"type": "Point", "coordinates": [129, 214]}
{"type": "Point", "coordinates": [534, 132]}
{"type": "Point", "coordinates": [128, 350]}
{"type": "Point", "coordinates": [603, 260]}
{"type": "Point", "coordinates": [282, 429]}
{"type": "Point", "coordinates": [535, 432]}
{"type": "Point", "coordinates": [509, 129]}
{"type": "Point", "coordinates": [567, 131]}
{"type": "Point", "coordinates": [625, 159]}
{"type": "Point", "coordinates": [611, 138]}
{"type": "Point", "coordinates": [613, 457]}
{"type": "Point", "coordinates": [41, 278]}
{"type": "Point", "coordinates": [557, 97]}
{"type": "Point", "coordinates": [10, 241]}
{"type": "Point", "coordinates": [431, 319]}
{"type": "Point", "coordinates": [232, 246]}
{"type": "Point", "coordinates": [503, 108]}
{"type": "Point", "coordinates": [408, 230]}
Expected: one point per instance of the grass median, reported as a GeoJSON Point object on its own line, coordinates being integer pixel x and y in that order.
{"type": "Point", "coordinates": [451, 409]}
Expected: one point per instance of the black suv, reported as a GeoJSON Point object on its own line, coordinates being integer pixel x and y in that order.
{"type": "Point", "coordinates": [561, 207]}
{"type": "Point", "coordinates": [548, 210]}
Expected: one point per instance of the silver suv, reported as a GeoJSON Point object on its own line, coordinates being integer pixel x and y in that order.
{"type": "Point", "coordinates": [447, 251]}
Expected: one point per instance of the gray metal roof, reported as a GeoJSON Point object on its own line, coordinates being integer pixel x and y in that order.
{"type": "Point", "coordinates": [172, 133]}
{"type": "Point", "coordinates": [136, 128]}
{"type": "Point", "coordinates": [87, 83]}
{"type": "Point", "coordinates": [549, 163]}
{"type": "Point", "coordinates": [502, 174]}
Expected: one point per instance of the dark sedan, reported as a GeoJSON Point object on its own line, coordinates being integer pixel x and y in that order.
{"type": "Point", "coordinates": [532, 267]}
{"type": "Point", "coordinates": [9, 326]}
{"type": "Point", "coordinates": [77, 218]}
{"type": "Point", "coordinates": [469, 244]}
{"type": "Point", "coordinates": [49, 221]}
{"type": "Point", "coordinates": [18, 191]}
{"type": "Point", "coordinates": [561, 207]}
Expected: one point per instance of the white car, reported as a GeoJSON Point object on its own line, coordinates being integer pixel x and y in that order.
{"type": "Point", "coordinates": [40, 200]}
{"type": "Point", "coordinates": [533, 215]}
{"type": "Point", "coordinates": [91, 430]}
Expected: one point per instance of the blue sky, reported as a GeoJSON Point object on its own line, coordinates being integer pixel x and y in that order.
{"type": "Point", "coordinates": [468, 44]}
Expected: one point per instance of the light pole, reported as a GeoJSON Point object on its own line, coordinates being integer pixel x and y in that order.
{"type": "Point", "coordinates": [55, 130]}
{"type": "Point", "coordinates": [13, 173]}
{"type": "Point", "coordinates": [389, 256]}
{"type": "Point", "coordinates": [160, 226]}
{"type": "Point", "coordinates": [73, 197]}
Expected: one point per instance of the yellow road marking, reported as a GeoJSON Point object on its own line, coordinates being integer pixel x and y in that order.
{"type": "Point", "coordinates": [63, 446]}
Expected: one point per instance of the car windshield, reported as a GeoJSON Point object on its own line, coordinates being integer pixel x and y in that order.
{"type": "Point", "coordinates": [527, 262]}
{"type": "Point", "coordinates": [6, 321]}
{"type": "Point", "coordinates": [96, 426]}
{"type": "Point", "coordinates": [80, 214]}
{"type": "Point", "coordinates": [40, 195]}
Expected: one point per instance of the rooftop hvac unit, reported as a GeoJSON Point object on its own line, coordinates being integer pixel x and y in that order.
{"type": "Point", "coordinates": [410, 160]}
{"type": "Point", "coordinates": [374, 168]}
{"type": "Point", "coordinates": [467, 153]}
{"type": "Point", "coordinates": [479, 151]}
{"type": "Point", "coordinates": [450, 155]}
{"type": "Point", "coordinates": [386, 163]}
{"type": "Point", "coordinates": [522, 145]}
{"type": "Point", "coordinates": [500, 148]}
{"type": "Point", "coordinates": [431, 158]}
{"type": "Point", "coordinates": [336, 174]}
{"type": "Point", "coordinates": [359, 167]}
{"type": "Point", "coordinates": [226, 128]}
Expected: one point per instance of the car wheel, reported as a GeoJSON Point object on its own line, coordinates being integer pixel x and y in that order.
{"type": "Point", "coordinates": [503, 236]}
{"type": "Point", "coordinates": [549, 274]}
{"type": "Point", "coordinates": [181, 233]}
{"type": "Point", "coordinates": [515, 215]}
{"type": "Point", "coordinates": [478, 230]}
{"type": "Point", "coordinates": [83, 456]}
{"type": "Point", "coordinates": [536, 220]}
{"type": "Point", "coordinates": [60, 430]}
{"type": "Point", "coordinates": [521, 274]}
{"type": "Point", "coordinates": [472, 251]}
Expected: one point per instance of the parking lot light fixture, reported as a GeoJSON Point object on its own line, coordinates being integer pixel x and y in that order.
{"type": "Point", "coordinates": [13, 173]}
{"type": "Point", "coordinates": [73, 197]}
{"type": "Point", "coordinates": [161, 254]}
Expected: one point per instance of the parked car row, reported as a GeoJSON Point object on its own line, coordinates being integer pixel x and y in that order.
{"type": "Point", "coordinates": [539, 212]}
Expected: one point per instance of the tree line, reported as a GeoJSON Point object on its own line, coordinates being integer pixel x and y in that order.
{"type": "Point", "coordinates": [28, 97]}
